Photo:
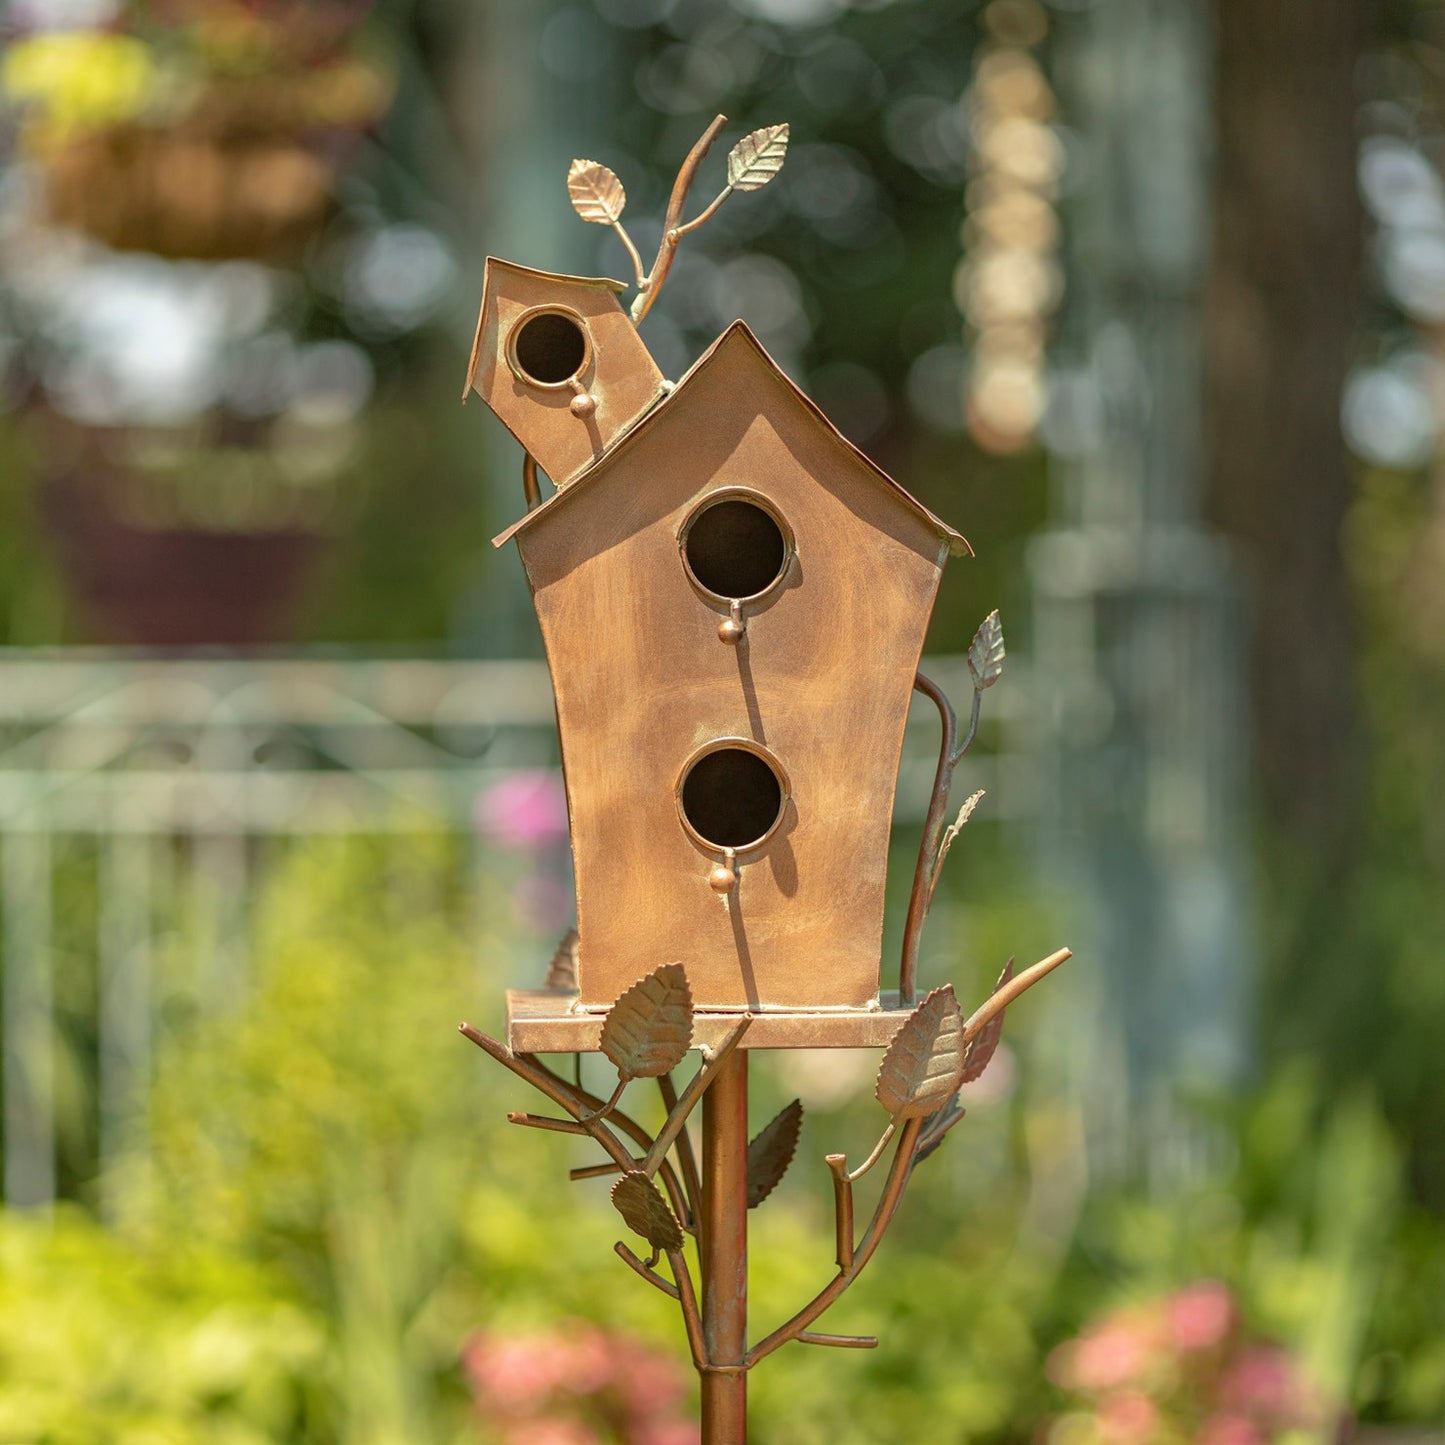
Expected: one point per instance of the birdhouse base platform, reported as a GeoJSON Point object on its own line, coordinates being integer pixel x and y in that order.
{"type": "Point", "coordinates": [547, 1021]}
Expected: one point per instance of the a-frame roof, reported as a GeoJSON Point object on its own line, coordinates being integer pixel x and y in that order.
{"type": "Point", "coordinates": [740, 334]}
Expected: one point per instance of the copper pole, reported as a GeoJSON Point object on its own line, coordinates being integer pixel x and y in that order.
{"type": "Point", "coordinates": [724, 1250]}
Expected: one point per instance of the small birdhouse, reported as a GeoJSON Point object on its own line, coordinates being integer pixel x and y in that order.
{"type": "Point", "coordinates": [560, 362]}
{"type": "Point", "coordinates": [733, 601]}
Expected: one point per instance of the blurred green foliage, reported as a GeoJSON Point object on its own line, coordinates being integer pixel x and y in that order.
{"type": "Point", "coordinates": [331, 1203]}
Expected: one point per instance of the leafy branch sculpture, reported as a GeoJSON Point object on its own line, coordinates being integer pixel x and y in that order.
{"type": "Point", "coordinates": [648, 1032]}
{"type": "Point", "coordinates": [598, 196]}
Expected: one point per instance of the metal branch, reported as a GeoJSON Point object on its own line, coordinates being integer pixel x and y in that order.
{"type": "Point", "coordinates": [598, 1171]}
{"type": "Point", "coordinates": [687, 1157]}
{"type": "Point", "coordinates": [626, 240]}
{"type": "Point", "coordinates": [649, 287]}
{"type": "Point", "coordinates": [651, 1276]}
{"type": "Point", "coordinates": [697, 220]}
{"type": "Point", "coordinates": [530, 489]}
{"type": "Point", "coordinates": [677, 1116]}
{"type": "Point", "coordinates": [681, 1205]}
{"type": "Point", "coordinates": [603, 1110]}
{"type": "Point", "coordinates": [841, 1342]}
{"type": "Point", "coordinates": [877, 1153]}
{"type": "Point", "coordinates": [1001, 998]}
{"type": "Point", "coordinates": [932, 832]}
{"type": "Point", "coordinates": [543, 1121]}
{"type": "Point", "coordinates": [687, 1298]}
{"type": "Point", "coordinates": [886, 1208]}
{"type": "Point", "coordinates": [842, 1209]}
{"type": "Point", "coordinates": [560, 1092]}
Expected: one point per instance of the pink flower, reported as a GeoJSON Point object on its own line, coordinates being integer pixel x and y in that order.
{"type": "Point", "coordinates": [1201, 1315]}
{"type": "Point", "coordinates": [551, 1430]}
{"type": "Point", "coordinates": [586, 1361]}
{"type": "Point", "coordinates": [1265, 1383]}
{"type": "Point", "coordinates": [525, 809]}
{"type": "Point", "coordinates": [1128, 1418]}
{"type": "Point", "coordinates": [668, 1432]}
{"type": "Point", "coordinates": [1116, 1351]}
{"type": "Point", "coordinates": [651, 1384]}
{"type": "Point", "coordinates": [512, 1375]}
{"type": "Point", "coordinates": [1224, 1429]}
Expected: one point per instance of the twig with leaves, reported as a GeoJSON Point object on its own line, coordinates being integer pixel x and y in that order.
{"type": "Point", "coordinates": [649, 1031]}
{"type": "Point", "coordinates": [598, 196]}
{"type": "Point", "coordinates": [985, 666]}
{"type": "Point", "coordinates": [934, 1054]}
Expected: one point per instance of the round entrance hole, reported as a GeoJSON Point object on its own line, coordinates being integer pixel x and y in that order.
{"type": "Point", "coordinates": [732, 797]}
{"type": "Point", "coordinates": [735, 548]}
{"type": "Point", "coordinates": [550, 348]}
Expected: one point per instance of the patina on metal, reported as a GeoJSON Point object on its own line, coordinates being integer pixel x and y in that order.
{"type": "Point", "coordinates": [733, 600]}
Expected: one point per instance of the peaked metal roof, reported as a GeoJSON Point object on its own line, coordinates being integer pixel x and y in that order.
{"type": "Point", "coordinates": [738, 332]}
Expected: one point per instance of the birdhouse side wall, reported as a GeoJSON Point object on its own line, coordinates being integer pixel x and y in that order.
{"type": "Point", "coordinates": [822, 683]}
{"type": "Point", "coordinates": [620, 374]}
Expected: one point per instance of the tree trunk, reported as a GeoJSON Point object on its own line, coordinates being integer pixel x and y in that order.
{"type": "Point", "coordinates": [1281, 310]}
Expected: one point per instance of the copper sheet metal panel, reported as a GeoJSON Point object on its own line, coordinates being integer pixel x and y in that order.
{"type": "Point", "coordinates": [565, 421]}
{"type": "Point", "coordinates": [540, 1021]}
{"type": "Point", "coordinates": [820, 685]}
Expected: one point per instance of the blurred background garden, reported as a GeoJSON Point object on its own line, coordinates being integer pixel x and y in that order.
{"type": "Point", "coordinates": [1147, 299]}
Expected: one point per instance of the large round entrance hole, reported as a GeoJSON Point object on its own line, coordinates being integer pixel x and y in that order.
{"type": "Point", "coordinates": [732, 797]}
{"type": "Point", "coordinates": [735, 548]}
{"type": "Point", "coordinates": [550, 348]}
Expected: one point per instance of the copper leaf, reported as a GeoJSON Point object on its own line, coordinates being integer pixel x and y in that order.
{"type": "Point", "coordinates": [986, 652]}
{"type": "Point", "coordinates": [757, 158]}
{"type": "Point", "coordinates": [597, 194]}
{"type": "Point", "coordinates": [937, 1127]}
{"type": "Point", "coordinates": [649, 1029]}
{"type": "Point", "coordinates": [772, 1151]}
{"type": "Point", "coordinates": [562, 971]}
{"type": "Point", "coordinates": [646, 1212]}
{"type": "Point", "coordinates": [924, 1063]}
{"type": "Point", "coordinates": [985, 1041]}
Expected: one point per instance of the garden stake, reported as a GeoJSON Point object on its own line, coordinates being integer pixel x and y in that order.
{"type": "Point", "coordinates": [733, 599]}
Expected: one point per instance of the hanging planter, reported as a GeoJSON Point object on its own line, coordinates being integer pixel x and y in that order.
{"type": "Point", "coordinates": [192, 446]}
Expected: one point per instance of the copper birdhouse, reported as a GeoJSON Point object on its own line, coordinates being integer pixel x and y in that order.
{"type": "Point", "coordinates": [733, 601]}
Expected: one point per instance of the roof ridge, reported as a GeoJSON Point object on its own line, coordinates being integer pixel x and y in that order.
{"type": "Point", "coordinates": [958, 544]}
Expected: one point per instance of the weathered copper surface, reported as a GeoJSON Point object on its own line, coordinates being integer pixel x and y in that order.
{"type": "Point", "coordinates": [819, 686]}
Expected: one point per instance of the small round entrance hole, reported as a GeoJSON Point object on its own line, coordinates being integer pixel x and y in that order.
{"type": "Point", "coordinates": [731, 797]}
{"type": "Point", "coordinates": [550, 348]}
{"type": "Point", "coordinates": [735, 549]}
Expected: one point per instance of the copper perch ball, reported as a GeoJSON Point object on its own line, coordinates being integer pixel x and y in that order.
{"type": "Point", "coordinates": [722, 879]}
{"type": "Point", "coordinates": [584, 404]}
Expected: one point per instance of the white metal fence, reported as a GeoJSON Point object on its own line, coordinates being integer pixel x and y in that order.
{"type": "Point", "coordinates": [168, 785]}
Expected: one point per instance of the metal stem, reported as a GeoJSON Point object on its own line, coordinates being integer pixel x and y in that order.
{"type": "Point", "coordinates": [928, 848]}
{"type": "Point", "coordinates": [724, 1252]}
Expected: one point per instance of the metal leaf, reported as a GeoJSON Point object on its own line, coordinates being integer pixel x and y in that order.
{"type": "Point", "coordinates": [985, 1041]}
{"type": "Point", "coordinates": [649, 1029]}
{"type": "Point", "coordinates": [986, 652]}
{"type": "Point", "coordinates": [757, 158]}
{"type": "Point", "coordinates": [951, 833]}
{"type": "Point", "coordinates": [772, 1151]}
{"type": "Point", "coordinates": [937, 1127]}
{"type": "Point", "coordinates": [924, 1063]}
{"type": "Point", "coordinates": [597, 194]}
{"type": "Point", "coordinates": [646, 1212]}
{"type": "Point", "coordinates": [562, 971]}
